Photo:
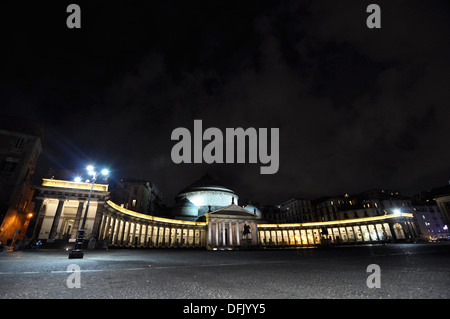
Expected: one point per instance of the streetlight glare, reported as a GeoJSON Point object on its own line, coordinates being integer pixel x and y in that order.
{"type": "Point", "coordinates": [77, 252]}
{"type": "Point", "coordinates": [77, 179]}
{"type": "Point", "coordinates": [397, 211]}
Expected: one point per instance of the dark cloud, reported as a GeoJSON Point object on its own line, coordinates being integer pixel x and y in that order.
{"type": "Point", "coordinates": [356, 108]}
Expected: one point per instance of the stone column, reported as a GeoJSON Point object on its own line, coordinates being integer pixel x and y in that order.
{"type": "Point", "coordinates": [406, 230]}
{"type": "Point", "coordinates": [170, 236]}
{"type": "Point", "coordinates": [157, 236]}
{"type": "Point", "coordinates": [133, 235]}
{"type": "Point", "coordinates": [180, 244]}
{"type": "Point", "coordinates": [216, 234]}
{"type": "Point", "coordinates": [238, 234]}
{"type": "Point", "coordinates": [120, 232]}
{"type": "Point", "coordinates": [145, 243]}
{"type": "Point", "coordinates": [355, 233]}
{"type": "Point", "coordinates": [230, 234]}
{"type": "Point", "coordinates": [224, 239]}
{"type": "Point", "coordinates": [140, 234]}
{"type": "Point", "coordinates": [164, 229]}
{"type": "Point", "coordinates": [113, 231]}
{"type": "Point", "coordinates": [209, 234]}
{"type": "Point", "coordinates": [391, 229]}
{"type": "Point", "coordinates": [126, 231]}
{"type": "Point", "coordinates": [97, 218]}
{"type": "Point", "coordinates": [76, 223]}
{"type": "Point", "coordinates": [103, 226]}
{"type": "Point", "coordinates": [255, 237]}
{"type": "Point", "coordinates": [150, 236]}
{"type": "Point", "coordinates": [343, 232]}
{"type": "Point", "coordinates": [193, 237]}
{"type": "Point", "coordinates": [53, 229]}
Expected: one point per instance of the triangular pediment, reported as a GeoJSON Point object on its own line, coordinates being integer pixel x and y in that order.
{"type": "Point", "coordinates": [232, 210]}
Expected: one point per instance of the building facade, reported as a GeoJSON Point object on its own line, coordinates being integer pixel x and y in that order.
{"type": "Point", "coordinates": [442, 197]}
{"type": "Point", "coordinates": [138, 195]}
{"type": "Point", "coordinates": [61, 205]}
{"type": "Point", "coordinates": [20, 147]}
{"type": "Point", "coordinates": [371, 203]}
{"type": "Point", "coordinates": [297, 210]}
{"type": "Point", "coordinates": [224, 229]}
{"type": "Point", "coordinates": [431, 222]}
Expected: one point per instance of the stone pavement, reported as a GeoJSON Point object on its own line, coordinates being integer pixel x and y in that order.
{"type": "Point", "coordinates": [405, 271]}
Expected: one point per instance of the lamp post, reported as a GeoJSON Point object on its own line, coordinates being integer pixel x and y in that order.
{"type": "Point", "coordinates": [77, 252]}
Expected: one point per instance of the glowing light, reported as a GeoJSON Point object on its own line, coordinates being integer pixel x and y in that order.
{"type": "Point", "coordinates": [154, 218]}
{"type": "Point", "coordinates": [90, 168]}
{"type": "Point", "coordinates": [77, 179]}
{"type": "Point", "coordinates": [69, 184]}
{"type": "Point", "coordinates": [105, 172]}
{"type": "Point", "coordinates": [337, 222]}
{"type": "Point", "coordinates": [397, 211]}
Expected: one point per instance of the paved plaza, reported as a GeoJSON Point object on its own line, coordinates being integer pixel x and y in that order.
{"type": "Point", "coordinates": [405, 271]}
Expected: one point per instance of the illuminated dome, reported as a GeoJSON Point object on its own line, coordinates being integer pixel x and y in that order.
{"type": "Point", "coordinates": [255, 210]}
{"type": "Point", "coordinates": [205, 194]}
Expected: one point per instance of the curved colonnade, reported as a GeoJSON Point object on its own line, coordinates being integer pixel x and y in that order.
{"type": "Point", "coordinates": [121, 227]}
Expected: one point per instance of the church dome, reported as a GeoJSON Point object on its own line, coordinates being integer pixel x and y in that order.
{"type": "Point", "coordinates": [207, 193]}
{"type": "Point", "coordinates": [206, 183]}
{"type": "Point", "coordinates": [255, 210]}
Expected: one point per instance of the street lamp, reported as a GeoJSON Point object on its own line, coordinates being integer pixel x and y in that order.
{"type": "Point", "coordinates": [77, 252]}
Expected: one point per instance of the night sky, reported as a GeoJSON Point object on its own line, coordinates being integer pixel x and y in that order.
{"type": "Point", "coordinates": [357, 108]}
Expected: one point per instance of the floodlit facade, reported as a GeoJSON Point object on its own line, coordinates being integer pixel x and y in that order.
{"type": "Point", "coordinates": [62, 204]}
{"type": "Point", "coordinates": [201, 197]}
{"type": "Point", "coordinates": [60, 207]}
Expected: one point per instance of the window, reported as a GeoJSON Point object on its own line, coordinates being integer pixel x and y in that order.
{"type": "Point", "coordinates": [18, 145]}
{"type": "Point", "coordinates": [7, 168]}
{"type": "Point", "coordinates": [133, 203]}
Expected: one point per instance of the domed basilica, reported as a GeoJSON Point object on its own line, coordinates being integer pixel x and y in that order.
{"type": "Point", "coordinates": [206, 215]}
{"type": "Point", "coordinates": [201, 197]}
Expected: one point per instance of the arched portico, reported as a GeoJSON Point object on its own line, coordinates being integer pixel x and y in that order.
{"type": "Point", "coordinates": [121, 227]}
{"type": "Point", "coordinates": [371, 229]}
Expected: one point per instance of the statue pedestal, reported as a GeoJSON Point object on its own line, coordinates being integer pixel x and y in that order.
{"type": "Point", "coordinates": [246, 242]}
